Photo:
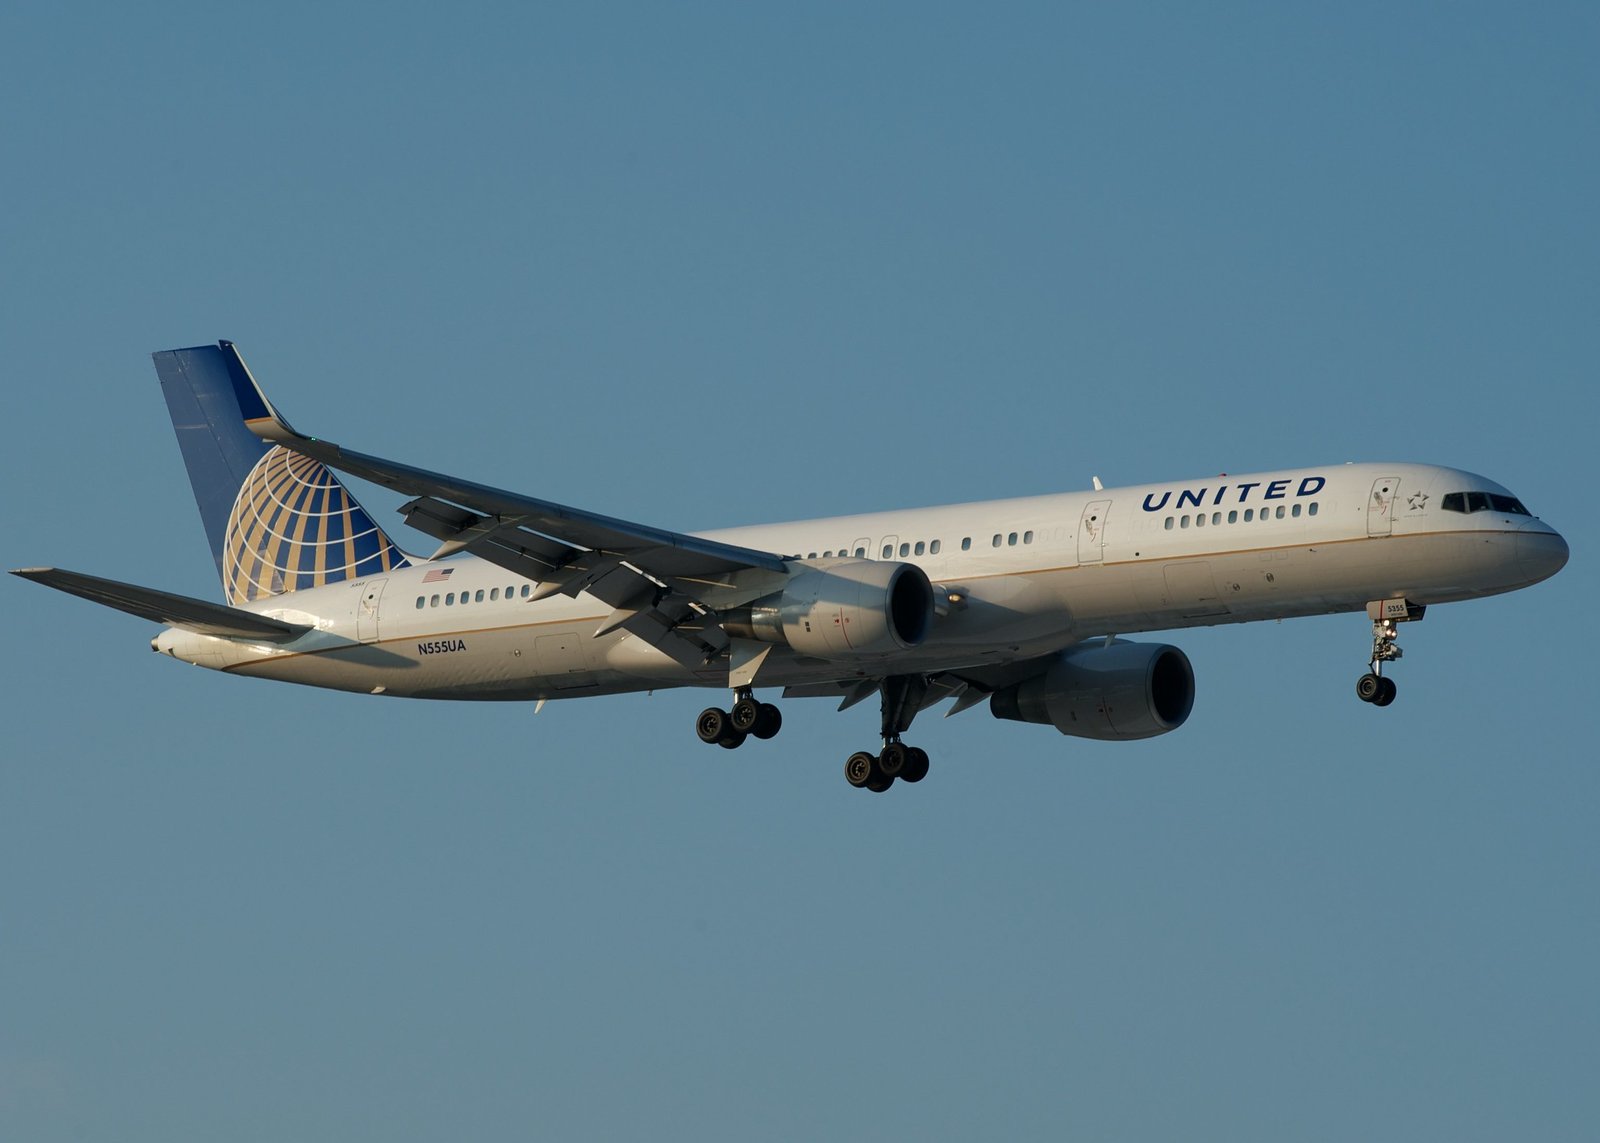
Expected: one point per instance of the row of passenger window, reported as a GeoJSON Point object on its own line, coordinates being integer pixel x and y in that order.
{"type": "Point", "coordinates": [1482, 502]}
{"type": "Point", "coordinates": [1235, 516]}
{"type": "Point", "coordinates": [926, 547]}
{"type": "Point", "coordinates": [480, 596]}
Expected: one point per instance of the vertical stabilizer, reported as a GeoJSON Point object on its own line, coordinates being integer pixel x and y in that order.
{"type": "Point", "coordinates": [277, 521]}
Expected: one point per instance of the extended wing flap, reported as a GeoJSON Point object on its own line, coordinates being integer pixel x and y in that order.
{"type": "Point", "coordinates": [165, 607]}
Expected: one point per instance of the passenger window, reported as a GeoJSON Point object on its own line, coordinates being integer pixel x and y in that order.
{"type": "Point", "coordinates": [1280, 511]}
{"type": "Point", "coordinates": [966, 543]}
{"type": "Point", "coordinates": [433, 601]}
{"type": "Point", "coordinates": [1249, 515]}
{"type": "Point", "coordinates": [1011, 539]}
{"type": "Point", "coordinates": [997, 539]}
{"type": "Point", "coordinates": [478, 598]}
{"type": "Point", "coordinates": [1216, 517]}
{"type": "Point", "coordinates": [1184, 522]}
{"type": "Point", "coordinates": [919, 549]}
{"type": "Point", "coordinates": [1200, 520]}
{"type": "Point", "coordinates": [905, 550]}
{"type": "Point", "coordinates": [861, 553]}
{"type": "Point", "coordinates": [449, 600]}
{"type": "Point", "coordinates": [1233, 517]}
{"type": "Point", "coordinates": [1168, 524]}
{"type": "Point", "coordinates": [1295, 511]}
{"type": "Point", "coordinates": [421, 599]}
{"type": "Point", "coordinates": [1311, 509]}
{"type": "Point", "coordinates": [1027, 537]}
{"type": "Point", "coordinates": [494, 594]}
{"type": "Point", "coordinates": [526, 589]}
{"type": "Point", "coordinates": [933, 548]}
{"type": "Point", "coordinates": [888, 550]}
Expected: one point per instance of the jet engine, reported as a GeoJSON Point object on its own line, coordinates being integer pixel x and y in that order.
{"type": "Point", "coordinates": [849, 609]}
{"type": "Point", "coordinates": [1125, 690]}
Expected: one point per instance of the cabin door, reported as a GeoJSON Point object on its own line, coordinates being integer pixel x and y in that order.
{"type": "Point", "coordinates": [367, 610]}
{"type": "Point", "coordinates": [1092, 532]}
{"type": "Point", "coordinates": [1380, 505]}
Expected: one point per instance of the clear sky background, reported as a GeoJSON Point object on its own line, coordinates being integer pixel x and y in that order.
{"type": "Point", "coordinates": [708, 265]}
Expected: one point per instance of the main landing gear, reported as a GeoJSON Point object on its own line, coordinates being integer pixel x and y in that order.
{"type": "Point", "coordinates": [902, 698]}
{"type": "Point", "coordinates": [729, 728]}
{"type": "Point", "coordinates": [1374, 686]}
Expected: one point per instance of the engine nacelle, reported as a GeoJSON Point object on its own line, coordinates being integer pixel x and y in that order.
{"type": "Point", "coordinates": [1126, 690]}
{"type": "Point", "coordinates": [847, 610]}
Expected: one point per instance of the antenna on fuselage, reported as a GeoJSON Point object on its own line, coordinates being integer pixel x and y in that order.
{"type": "Point", "coordinates": [1098, 487]}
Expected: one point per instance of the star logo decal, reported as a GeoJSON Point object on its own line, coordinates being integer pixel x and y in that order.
{"type": "Point", "coordinates": [1418, 501]}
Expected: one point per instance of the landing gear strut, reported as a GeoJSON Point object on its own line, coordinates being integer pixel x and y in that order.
{"type": "Point", "coordinates": [902, 698]}
{"type": "Point", "coordinates": [729, 728]}
{"type": "Point", "coordinates": [1374, 686]}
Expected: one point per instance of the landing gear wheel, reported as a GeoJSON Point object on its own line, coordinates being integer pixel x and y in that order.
{"type": "Point", "coordinates": [712, 725]}
{"type": "Point", "coordinates": [859, 768]}
{"type": "Point", "coordinates": [745, 714]}
{"type": "Point", "coordinates": [916, 767]}
{"type": "Point", "coordinates": [768, 721]}
{"type": "Point", "coordinates": [880, 783]}
{"type": "Point", "coordinates": [1369, 687]}
{"type": "Point", "coordinates": [893, 759]}
{"type": "Point", "coordinates": [731, 739]}
{"type": "Point", "coordinates": [1386, 692]}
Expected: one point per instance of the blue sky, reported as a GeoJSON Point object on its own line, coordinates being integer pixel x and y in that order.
{"type": "Point", "coordinates": [710, 265]}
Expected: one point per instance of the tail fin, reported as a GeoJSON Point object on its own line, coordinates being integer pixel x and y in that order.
{"type": "Point", "coordinates": [277, 521]}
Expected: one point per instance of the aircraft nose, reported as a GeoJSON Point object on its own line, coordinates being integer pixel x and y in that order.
{"type": "Point", "coordinates": [1540, 551]}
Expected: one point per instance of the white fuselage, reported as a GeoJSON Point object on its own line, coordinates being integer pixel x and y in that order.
{"type": "Point", "coordinates": [1016, 578]}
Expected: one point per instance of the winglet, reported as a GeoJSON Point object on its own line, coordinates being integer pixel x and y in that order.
{"type": "Point", "coordinates": [259, 415]}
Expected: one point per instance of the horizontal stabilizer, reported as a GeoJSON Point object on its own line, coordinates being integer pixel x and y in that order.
{"type": "Point", "coordinates": [164, 607]}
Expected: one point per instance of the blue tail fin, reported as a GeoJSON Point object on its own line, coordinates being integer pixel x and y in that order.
{"type": "Point", "coordinates": [277, 521]}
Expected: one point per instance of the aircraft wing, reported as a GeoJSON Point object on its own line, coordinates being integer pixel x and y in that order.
{"type": "Point", "coordinates": [662, 585]}
{"type": "Point", "coordinates": [164, 607]}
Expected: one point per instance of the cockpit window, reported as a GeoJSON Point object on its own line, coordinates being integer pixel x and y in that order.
{"type": "Point", "coordinates": [1483, 502]}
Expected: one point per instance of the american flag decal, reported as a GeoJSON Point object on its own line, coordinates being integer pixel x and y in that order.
{"type": "Point", "coordinates": [437, 575]}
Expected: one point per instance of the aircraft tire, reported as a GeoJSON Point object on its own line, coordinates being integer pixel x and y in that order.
{"type": "Point", "coordinates": [768, 722]}
{"type": "Point", "coordinates": [916, 767]}
{"type": "Point", "coordinates": [745, 714]}
{"type": "Point", "coordinates": [711, 725]}
{"type": "Point", "coordinates": [860, 768]}
{"type": "Point", "coordinates": [1386, 693]}
{"type": "Point", "coordinates": [1369, 687]}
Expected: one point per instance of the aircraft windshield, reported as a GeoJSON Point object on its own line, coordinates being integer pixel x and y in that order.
{"type": "Point", "coordinates": [1483, 502]}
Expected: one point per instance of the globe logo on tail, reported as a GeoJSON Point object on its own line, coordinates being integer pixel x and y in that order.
{"type": "Point", "coordinates": [294, 526]}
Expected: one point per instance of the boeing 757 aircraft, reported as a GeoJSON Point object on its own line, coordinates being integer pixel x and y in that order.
{"type": "Point", "coordinates": [1018, 603]}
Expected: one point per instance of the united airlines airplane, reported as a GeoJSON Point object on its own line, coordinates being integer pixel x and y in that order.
{"type": "Point", "coordinates": [1018, 603]}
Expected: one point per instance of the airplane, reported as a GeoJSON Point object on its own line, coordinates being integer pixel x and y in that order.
{"type": "Point", "coordinates": [1021, 603]}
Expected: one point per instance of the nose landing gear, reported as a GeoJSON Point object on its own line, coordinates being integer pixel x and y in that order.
{"type": "Point", "coordinates": [1374, 687]}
